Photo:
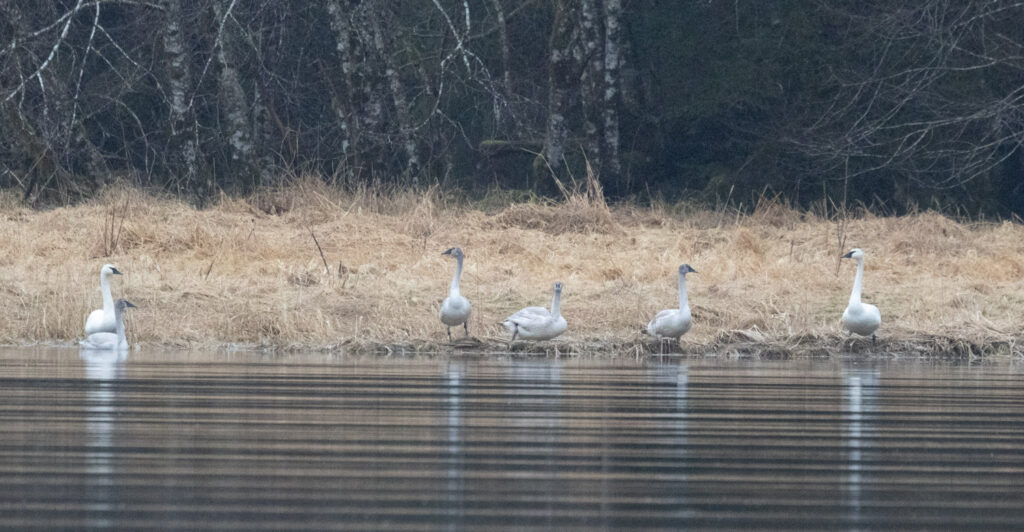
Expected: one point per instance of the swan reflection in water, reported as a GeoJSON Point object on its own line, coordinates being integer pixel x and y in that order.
{"type": "Point", "coordinates": [103, 369]}
{"type": "Point", "coordinates": [861, 387]}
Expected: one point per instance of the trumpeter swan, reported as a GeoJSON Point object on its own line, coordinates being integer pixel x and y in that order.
{"type": "Point", "coordinates": [107, 340]}
{"type": "Point", "coordinates": [536, 323]}
{"type": "Point", "coordinates": [673, 323]}
{"type": "Point", "coordinates": [102, 320]}
{"type": "Point", "coordinates": [455, 308]}
{"type": "Point", "coordinates": [860, 318]}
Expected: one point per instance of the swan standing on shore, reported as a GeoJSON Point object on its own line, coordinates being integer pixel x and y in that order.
{"type": "Point", "coordinates": [455, 308]}
{"type": "Point", "coordinates": [673, 323]}
{"type": "Point", "coordinates": [111, 340]}
{"type": "Point", "coordinates": [536, 323]}
{"type": "Point", "coordinates": [103, 320]}
{"type": "Point", "coordinates": [860, 318]}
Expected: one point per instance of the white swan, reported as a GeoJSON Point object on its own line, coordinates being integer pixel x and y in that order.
{"type": "Point", "coordinates": [536, 323]}
{"type": "Point", "coordinates": [860, 318]}
{"type": "Point", "coordinates": [455, 308]}
{"type": "Point", "coordinates": [673, 323]}
{"type": "Point", "coordinates": [103, 320]}
{"type": "Point", "coordinates": [107, 340]}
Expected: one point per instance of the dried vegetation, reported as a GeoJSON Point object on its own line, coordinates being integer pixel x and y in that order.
{"type": "Point", "coordinates": [247, 272]}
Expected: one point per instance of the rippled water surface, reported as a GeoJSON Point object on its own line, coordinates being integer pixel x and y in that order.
{"type": "Point", "coordinates": [198, 441]}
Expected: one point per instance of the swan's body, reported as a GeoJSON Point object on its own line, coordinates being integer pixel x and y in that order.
{"type": "Point", "coordinates": [537, 323]}
{"type": "Point", "coordinates": [102, 320]}
{"type": "Point", "coordinates": [673, 323]}
{"type": "Point", "coordinates": [111, 341]}
{"type": "Point", "coordinates": [455, 308]}
{"type": "Point", "coordinates": [860, 318]}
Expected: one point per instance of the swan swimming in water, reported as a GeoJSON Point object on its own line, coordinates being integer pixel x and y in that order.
{"type": "Point", "coordinates": [860, 318]}
{"type": "Point", "coordinates": [103, 320]}
{"type": "Point", "coordinates": [455, 308]}
{"type": "Point", "coordinates": [107, 340]}
{"type": "Point", "coordinates": [536, 323]}
{"type": "Point", "coordinates": [673, 323]}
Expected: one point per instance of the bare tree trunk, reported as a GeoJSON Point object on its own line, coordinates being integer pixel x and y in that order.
{"type": "Point", "coordinates": [560, 81]}
{"type": "Point", "coordinates": [232, 95]}
{"type": "Point", "coordinates": [384, 45]}
{"type": "Point", "coordinates": [506, 80]}
{"type": "Point", "coordinates": [613, 38]}
{"type": "Point", "coordinates": [590, 55]}
{"type": "Point", "coordinates": [184, 151]}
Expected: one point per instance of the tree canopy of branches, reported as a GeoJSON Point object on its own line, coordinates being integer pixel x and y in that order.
{"type": "Point", "coordinates": [874, 101]}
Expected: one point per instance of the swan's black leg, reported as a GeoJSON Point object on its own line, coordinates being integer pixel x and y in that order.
{"type": "Point", "coordinates": [449, 334]}
{"type": "Point", "coordinates": [514, 332]}
{"type": "Point", "coordinates": [465, 325]}
{"type": "Point", "coordinates": [872, 339]}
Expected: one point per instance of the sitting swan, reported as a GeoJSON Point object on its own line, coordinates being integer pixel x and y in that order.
{"type": "Point", "coordinates": [673, 323]}
{"type": "Point", "coordinates": [103, 320]}
{"type": "Point", "coordinates": [455, 308]}
{"type": "Point", "coordinates": [860, 318]}
{"type": "Point", "coordinates": [107, 340]}
{"type": "Point", "coordinates": [536, 323]}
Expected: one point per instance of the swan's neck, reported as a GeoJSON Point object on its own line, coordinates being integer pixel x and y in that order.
{"type": "Point", "coordinates": [556, 304]}
{"type": "Point", "coordinates": [108, 301]}
{"type": "Point", "coordinates": [455, 278]}
{"type": "Point", "coordinates": [857, 282]}
{"type": "Point", "coordinates": [683, 301]}
{"type": "Point", "coordinates": [122, 339]}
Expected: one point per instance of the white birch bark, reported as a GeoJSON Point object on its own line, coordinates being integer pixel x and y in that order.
{"type": "Point", "coordinates": [613, 36]}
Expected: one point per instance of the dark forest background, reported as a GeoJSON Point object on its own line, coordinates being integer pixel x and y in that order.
{"type": "Point", "coordinates": [885, 103]}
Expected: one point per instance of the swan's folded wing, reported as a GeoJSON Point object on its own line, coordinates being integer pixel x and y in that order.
{"type": "Point", "coordinates": [529, 313]}
{"type": "Point", "coordinates": [97, 323]}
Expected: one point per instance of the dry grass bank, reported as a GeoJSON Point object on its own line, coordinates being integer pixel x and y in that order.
{"type": "Point", "coordinates": [247, 272]}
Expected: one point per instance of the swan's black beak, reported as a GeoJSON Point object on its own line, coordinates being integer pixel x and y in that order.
{"type": "Point", "coordinates": [129, 304]}
{"type": "Point", "coordinates": [847, 256]}
{"type": "Point", "coordinates": [449, 252]}
{"type": "Point", "coordinates": [114, 271]}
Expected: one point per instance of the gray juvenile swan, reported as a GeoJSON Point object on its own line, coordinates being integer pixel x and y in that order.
{"type": "Point", "coordinates": [536, 323]}
{"type": "Point", "coordinates": [455, 308]}
{"type": "Point", "coordinates": [673, 323]}
{"type": "Point", "coordinates": [102, 320]}
{"type": "Point", "coordinates": [111, 340]}
{"type": "Point", "coordinates": [860, 318]}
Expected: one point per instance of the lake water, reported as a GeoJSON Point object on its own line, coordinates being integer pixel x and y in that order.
{"type": "Point", "coordinates": [243, 441]}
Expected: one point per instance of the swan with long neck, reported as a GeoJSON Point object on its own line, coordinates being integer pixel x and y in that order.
{"type": "Point", "coordinates": [111, 340]}
{"type": "Point", "coordinates": [102, 320]}
{"type": "Point", "coordinates": [860, 318]}
{"type": "Point", "coordinates": [537, 323]}
{"type": "Point", "coordinates": [455, 308]}
{"type": "Point", "coordinates": [675, 322]}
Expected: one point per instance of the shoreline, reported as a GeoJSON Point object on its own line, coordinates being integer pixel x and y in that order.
{"type": "Point", "coordinates": [247, 274]}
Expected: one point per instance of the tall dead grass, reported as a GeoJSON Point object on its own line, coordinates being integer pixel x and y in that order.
{"type": "Point", "coordinates": [247, 272]}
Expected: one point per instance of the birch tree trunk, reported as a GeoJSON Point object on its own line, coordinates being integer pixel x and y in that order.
{"type": "Point", "coordinates": [560, 81]}
{"type": "Point", "coordinates": [184, 151]}
{"type": "Point", "coordinates": [231, 94]}
{"type": "Point", "coordinates": [384, 45]}
{"type": "Point", "coordinates": [590, 55]}
{"type": "Point", "coordinates": [613, 37]}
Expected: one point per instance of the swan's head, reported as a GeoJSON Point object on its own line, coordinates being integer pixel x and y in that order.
{"type": "Point", "coordinates": [854, 253]}
{"type": "Point", "coordinates": [558, 287]}
{"type": "Point", "coordinates": [685, 269]}
{"type": "Point", "coordinates": [109, 269]}
{"type": "Point", "coordinates": [456, 253]}
{"type": "Point", "coordinates": [122, 304]}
